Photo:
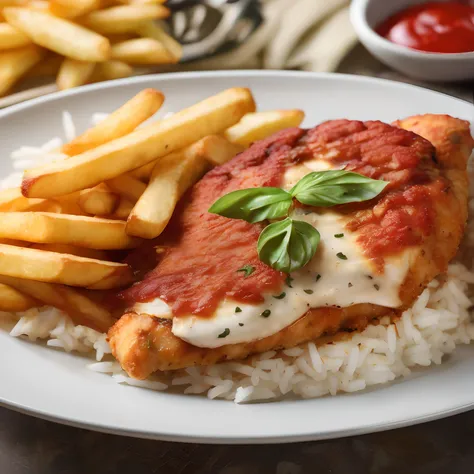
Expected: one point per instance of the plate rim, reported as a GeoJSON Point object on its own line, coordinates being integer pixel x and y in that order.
{"type": "Point", "coordinates": [236, 438]}
{"type": "Point", "coordinates": [222, 73]}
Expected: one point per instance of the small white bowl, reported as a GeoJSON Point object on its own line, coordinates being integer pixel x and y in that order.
{"type": "Point", "coordinates": [368, 14]}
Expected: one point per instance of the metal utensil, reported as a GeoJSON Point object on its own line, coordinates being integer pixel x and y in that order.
{"type": "Point", "coordinates": [204, 28]}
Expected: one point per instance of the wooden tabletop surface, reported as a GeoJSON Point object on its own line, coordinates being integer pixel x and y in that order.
{"type": "Point", "coordinates": [33, 446]}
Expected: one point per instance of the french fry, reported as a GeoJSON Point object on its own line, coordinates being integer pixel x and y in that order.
{"type": "Point", "coordinates": [14, 64]}
{"type": "Point", "coordinates": [142, 51]}
{"type": "Point", "coordinates": [123, 210]}
{"type": "Point", "coordinates": [140, 147]}
{"type": "Point", "coordinates": [39, 5]}
{"type": "Point", "coordinates": [52, 267]}
{"type": "Point", "coordinates": [124, 18]}
{"type": "Point", "coordinates": [17, 243]}
{"type": "Point", "coordinates": [119, 123]}
{"type": "Point", "coordinates": [59, 35]}
{"type": "Point", "coordinates": [67, 204]}
{"type": "Point", "coordinates": [151, 29]}
{"type": "Point", "coordinates": [73, 8]}
{"type": "Point", "coordinates": [48, 206]}
{"type": "Point", "coordinates": [259, 125]}
{"type": "Point", "coordinates": [127, 186]}
{"type": "Point", "coordinates": [119, 37]}
{"type": "Point", "coordinates": [11, 38]}
{"type": "Point", "coordinates": [81, 308]}
{"type": "Point", "coordinates": [71, 250]}
{"type": "Point", "coordinates": [98, 201]}
{"type": "Point", "coordinates": [171, 177]}
{"type": "Point", "coordinates": [82, 231]}
{"type": "Point", "coordinates": [73, 73]}
{"type": "Point", "coordinates": [144, 172]}
{"type": "Point", "coordinates": [109, 3]}
{"type": "Point", "coordinates": [12, 300]}
{"type": "Point", "coordinates": [11, 199]}
{"type": "Point", "coordinates": [213, 148]}
{"type": "Point", "coordinates": [110, 70]}
{"type": "Point", "coordinates": [141, 2]}
{"type": "Point", "coordinates": [47, 67]}
{"type": "Point", "coordinates": [217, 150]}
{"type": "Point", "coordinates": [12, 3]}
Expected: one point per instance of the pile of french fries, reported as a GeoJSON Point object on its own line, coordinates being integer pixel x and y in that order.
{"type": "Point", "coordinates": [118, 185]}
{"type": "Point", "coordinates": [81, 41]}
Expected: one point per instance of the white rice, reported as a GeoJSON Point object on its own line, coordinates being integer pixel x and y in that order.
{"type": "Point", "coordinates": [438, 321]}
{"type": "Point", "coordinates": [69, 127]}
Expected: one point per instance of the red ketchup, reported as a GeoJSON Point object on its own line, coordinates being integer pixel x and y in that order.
{"type": "Point", "coordinates": [446, 27]}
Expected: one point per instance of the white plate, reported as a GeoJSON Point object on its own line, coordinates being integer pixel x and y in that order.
{"type": "Point", "coordinates": [57, 386]}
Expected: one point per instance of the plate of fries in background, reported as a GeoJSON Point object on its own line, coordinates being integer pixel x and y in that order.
{"type": "Point", "coordinates": [77, 42]}
{"type": "Point", "coordinates": [97, 171]}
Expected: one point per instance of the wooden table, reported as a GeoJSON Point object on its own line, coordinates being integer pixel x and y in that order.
{"type": "Point", "coordinates": [33, 446]}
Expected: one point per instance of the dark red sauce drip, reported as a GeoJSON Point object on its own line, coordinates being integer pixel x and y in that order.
{"type": "Point", "coordinates": [446, 27]}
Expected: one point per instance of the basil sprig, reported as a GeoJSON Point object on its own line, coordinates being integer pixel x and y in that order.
{"type": "Point", "coordinates": [329, 188]}
{"type": "Point", "coordinates": [289, 244]}
{"type": "Point", "coordinates": [254, 204]}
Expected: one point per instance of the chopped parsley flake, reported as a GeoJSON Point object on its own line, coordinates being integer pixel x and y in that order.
{"type": "Point", "coordinates": [224, 334]}
{"type": "Point", "coordinates": [370, 277]}
{"type": "Point", "coordinates": [148, 344]}
{"type": "Point", "coordinates": [266, 313]}
{"type": "Point", "coordinates": [241, 324]}
{"type": "Point", "coordinates": [377, 287]}
{"type": "Point", "coordinates": [339, 236]}
{"type": "Point", "coordinates": [288, 281]}
{"type": "Point", "coordinates": [318, 276]}
{"type": "Point", "coordinates": [238, 310]}
{"type": "Point", "coordinates": [247, 270]}
{"type": "Point", "coordinates": [280, 296]}
{"type": "Point", "coordinates": [309, 292]}
{"type": "Point", "coordinates": [341, 256]}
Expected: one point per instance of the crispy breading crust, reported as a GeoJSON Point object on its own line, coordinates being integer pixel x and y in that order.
{"type": "Point", "coordinates": [144, 344]}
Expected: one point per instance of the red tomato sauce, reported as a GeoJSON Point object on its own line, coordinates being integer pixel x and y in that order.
{"type": "Point", "coordinates": [205, 251]}
{"type": "Point", "coordinates": [201, 253]}
{"type": "Point", "coordinates": [446, 27]}
{"type": "Point", "coordinates": [403, 215]}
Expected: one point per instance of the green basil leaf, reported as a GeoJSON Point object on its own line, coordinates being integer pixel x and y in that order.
{"type": "Point", "coordinates": [329, 188]}
{"type": "Point", "coordinates": [254, 204]}
{"type": "Point", "coordinates": [287, 245]}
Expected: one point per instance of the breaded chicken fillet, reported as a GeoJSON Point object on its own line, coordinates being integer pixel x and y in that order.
{"type": "Point", "coordinates": [421, 214]}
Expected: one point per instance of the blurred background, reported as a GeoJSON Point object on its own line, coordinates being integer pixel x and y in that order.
{"type": "Point", "coordinates": [153, 36]}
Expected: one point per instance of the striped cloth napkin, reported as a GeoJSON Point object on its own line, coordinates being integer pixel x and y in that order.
{"type": "Point", "coordinates": [312, 35]}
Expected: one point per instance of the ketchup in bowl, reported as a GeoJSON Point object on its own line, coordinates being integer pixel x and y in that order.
{"type": "Point", "coordinates": [446, 27]}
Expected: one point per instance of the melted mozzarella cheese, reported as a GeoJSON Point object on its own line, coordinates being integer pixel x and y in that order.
{"type": "Point", "coordinates": [338, 275]}
{"type": "Point", "coordinates": [156, 307]}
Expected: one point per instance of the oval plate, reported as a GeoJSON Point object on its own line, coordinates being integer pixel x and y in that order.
{"type": "Point", "coordinates": [58, 386]}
